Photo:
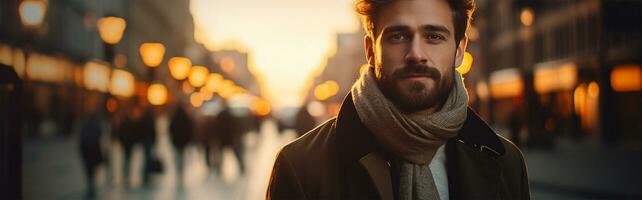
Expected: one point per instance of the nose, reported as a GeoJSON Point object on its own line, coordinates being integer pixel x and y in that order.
{"type": "Point", "coordinates": [416, 54]}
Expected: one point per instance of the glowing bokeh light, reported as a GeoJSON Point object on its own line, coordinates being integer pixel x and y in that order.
{"type": "Point", "coordinates": [157, 94]}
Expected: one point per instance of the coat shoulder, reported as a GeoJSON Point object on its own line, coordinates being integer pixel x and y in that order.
{"type": "Point", "coordinates": [308, 157]}
{"type": "Point", "coordinates": [315, 143]}
{"type": "Point", "coordinates": [514, 170]}
{"type": "Point", "coordinates": [513, 153]}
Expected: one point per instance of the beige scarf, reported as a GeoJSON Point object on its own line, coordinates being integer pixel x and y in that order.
{"type": "Point", "coordinates": [414, 137]}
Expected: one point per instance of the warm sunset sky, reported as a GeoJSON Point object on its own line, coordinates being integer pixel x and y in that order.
{"type": "Point", "coordinates": [287, 39]}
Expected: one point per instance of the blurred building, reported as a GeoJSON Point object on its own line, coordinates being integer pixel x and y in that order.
{"type": "Point", "coordinates": [234, 66]}
{"type": "Point", "coordinates": [566, 68]}
{"type": "Point", "coordinates": [169, 22]}
{"type": "Point", "coordinates": [63, 58]}
{"type": "Point", "coordinates": [339, 73]}
{"type": "Point", "coordinates": [51, 56]}
{"type": "Point", "coordinates": [68, 28]}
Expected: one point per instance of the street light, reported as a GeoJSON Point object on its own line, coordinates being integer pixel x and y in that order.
{"type": "Point", "coordinates": [32, 13]}
{"type": "Point", "coordinates": [196, 100]}
{"type": "Point", "coordinates": [179, 67]}
{"type": "Point", "coordinates": [214, 81]}
{"type": "Point", "coordinates": [111, 29]}
{"type": "Point", "coordinates": [326, 90]}
{"type": "Point", "coordinates": [527, 17]}
{"type": "Point", "coordinates": [206, 94]}
{"type": "Point", "coordinates": [96, 75]}
{"type": "Point", "coordinates": [626, 78]}
{"type": "Point", "coordinates": [261, 107]}
{"type": "Point", "coordinates": [122, 83]}
{"type": "Point", "coordinates": [226, 89]}
{"type": "Point", "coordinates": [152, 54]}
{"type": "Point", "coordinates": [228, 65]}
{"type": "Point", "coordinates": [198, 76]}
{"type": "Point", "coordinates": [157, 94]}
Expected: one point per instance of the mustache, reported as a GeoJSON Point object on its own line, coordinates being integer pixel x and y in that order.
{"type": "Point", "coordinates": [414, 70]}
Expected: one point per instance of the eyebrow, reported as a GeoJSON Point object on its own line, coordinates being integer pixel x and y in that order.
{"type": "Point", "coordinates": [428, 27]}
{"type": "Point", "coordinates": [436, 28]}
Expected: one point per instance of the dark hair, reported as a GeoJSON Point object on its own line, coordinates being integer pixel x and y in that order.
{"type": "Point", "coordinates": [462, 11]}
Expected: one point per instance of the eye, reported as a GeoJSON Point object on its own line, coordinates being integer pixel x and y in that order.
{"type": "Point", "coordinates": [397, 37]}
{"type": "Point", "coordinates": [433, 37]}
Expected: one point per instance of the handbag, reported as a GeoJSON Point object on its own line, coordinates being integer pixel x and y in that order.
{"type": "Point", "coordinates": [155, 165]}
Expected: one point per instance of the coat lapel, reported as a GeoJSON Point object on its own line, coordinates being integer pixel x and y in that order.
{"type": "Point", "coordinates": [358, 150]}
{"type": "Point", "coordinates": [473, 169]}
{"type": "Point", "coordinates": [379, 171]}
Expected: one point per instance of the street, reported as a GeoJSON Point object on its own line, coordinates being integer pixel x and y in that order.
{"type": "Point", "coordinates": [52, 170]}
{"type": "Point", "coordinates": [580, 171]}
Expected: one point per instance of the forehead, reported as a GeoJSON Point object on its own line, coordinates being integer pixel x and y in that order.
{"type": "Point", "coordinates": [414, 13]}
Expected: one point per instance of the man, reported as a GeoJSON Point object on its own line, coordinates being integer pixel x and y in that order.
{"type": "Point", "coordinates": [90, 127]}
{"type": "Point", "coordinates": [181, 132]}
{"type": "Point", "coordinates": [405, 130]}
{"type": "Point", "coordinates": [138, 128]}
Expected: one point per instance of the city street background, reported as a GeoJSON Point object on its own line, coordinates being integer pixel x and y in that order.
{"type": "Point", "coordinates": [192, 99]}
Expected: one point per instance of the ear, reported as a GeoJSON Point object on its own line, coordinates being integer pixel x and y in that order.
{"type": "Point", "coordinates": [461, 49]}
{"type": "Point", "coordinates": [369, 49]}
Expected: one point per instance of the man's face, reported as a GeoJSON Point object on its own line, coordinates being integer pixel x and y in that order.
{"type": "Point", "coordinates": [414, 53]}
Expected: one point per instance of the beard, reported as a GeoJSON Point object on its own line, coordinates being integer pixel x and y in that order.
{"type": "Point", "coordinates": [414, 95]}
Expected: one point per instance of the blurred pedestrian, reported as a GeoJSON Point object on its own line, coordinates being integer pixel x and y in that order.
{"type": "Point", "coordinates": [206, 136]}
{"type": "Point", "coordinates": [576, 126]}
{"type": "Point", "coordinates": [257, 121]}
{"type": "Point", "coordinates": [405, 131]}
{"type": "Point", "coordinates": [91, 128]}
{"type": "Point", "coordinates": [304, 121]}
{"type": "Point", "coordinates": [138, 128]}
{"type": "Point", "coordinates": [125, 133]}
{"type": "Point", "coordinates": [148, 137]}
{"type": "Point", "coordinates": [229, 130]}
{"type": "Point", "coordinates": [181, 131]}
{"type": "Point", "coordinates": [281, 125]}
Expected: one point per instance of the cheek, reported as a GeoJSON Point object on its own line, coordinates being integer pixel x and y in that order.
{"type": "Point", "coordinates": [446, 63]}
{"type": "Point", "coordinates": [390, 59]}
{"type": "Point", "coordinates": [447, 70]}
{"type": "Point", "coordinates": [447, 80]}
{"type": "Point", "coordinates": [443, 54]}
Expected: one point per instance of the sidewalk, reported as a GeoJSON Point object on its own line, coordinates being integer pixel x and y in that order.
{"type": "Point", "coordinates": [579, 171]}
{"type": "Point", "coordinates": [52, 170]}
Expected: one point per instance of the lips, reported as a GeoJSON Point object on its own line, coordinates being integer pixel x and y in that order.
{"type": "Point", "coordinates": [416, 76]}
{"type": "Point", "coordinates": [416, 73]}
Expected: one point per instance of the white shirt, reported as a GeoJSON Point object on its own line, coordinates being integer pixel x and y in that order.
{"type": "Point", "coordinates": [438, 168]}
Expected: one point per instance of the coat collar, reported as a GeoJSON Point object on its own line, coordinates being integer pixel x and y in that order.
{"type": "Point", "coordinates": [476, 142]}
{"type": "Point", "coordinates": [357, 146]}
{"type": "Point", "coordinates": [478, 135]}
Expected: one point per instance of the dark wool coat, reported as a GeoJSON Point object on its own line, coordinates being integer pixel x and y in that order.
{"type": "Point", "coordinates": [340, 159]}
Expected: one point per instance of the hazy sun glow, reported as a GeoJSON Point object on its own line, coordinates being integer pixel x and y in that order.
{"type": "Point", "coordinates": [287, 39]}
